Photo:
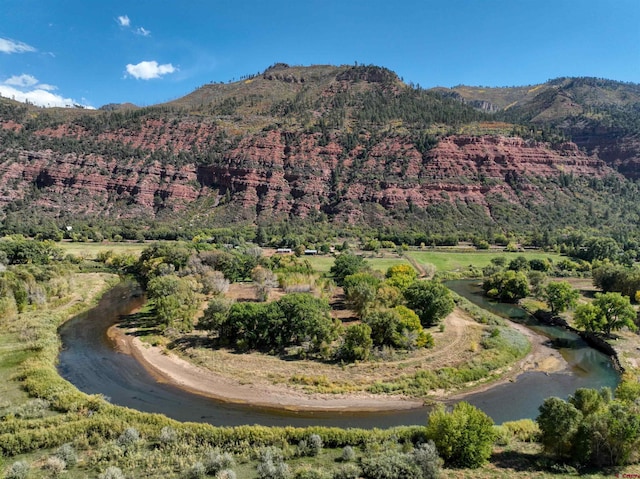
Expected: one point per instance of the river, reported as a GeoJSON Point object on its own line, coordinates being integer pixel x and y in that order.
{"type": "Point", "coordinates": [89, 360]}
{"type": "Point", "coordinates": [588, 368]}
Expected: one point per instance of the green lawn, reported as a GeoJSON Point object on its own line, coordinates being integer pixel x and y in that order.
{"type": "Point", "coordinates": [460, 260]}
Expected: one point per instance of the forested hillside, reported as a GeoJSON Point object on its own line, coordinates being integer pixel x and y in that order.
{"type": "Point", "coordinates": [345, 147]}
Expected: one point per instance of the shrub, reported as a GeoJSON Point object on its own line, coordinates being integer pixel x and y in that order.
{"type": "Point", "coordinates": [348, 454]}
{"type": "Point", "coordinates": [357, 343]}
{"type": "Point", "coordinates": [55, 466]}
{"type": "Point", "coordinates": [432, 301]}
{"type": "Point", "coordinates": [464, 437]}
{"type": "Point", "coordinates": [308, 472]}
{"type": "Point", "coordinates": [559, 422]}
{"type": "Point", "coordinates": [129, 437]}
{"type": "Point", "coordinates": [196, 471]}
{"type": "Point", "coordinates": [167, 436]}
{"type": "Point", "coordinates": [68, 454]}
{"type": "Point", "coordinates": [315, 445]}
{"type": "Point", "coordinates": [112, 472]}
{"type": "Point", "coordinates": [525, 430]}
{"type": "Point", "coordinates": [226, 474]}
{"type": "Point", "coordinates": [216, 461]}
{"type": "Point", "coordinates": [32, 409]}
{"type": "Point", "coordinates": [390, 464]}
{"type": "Point", "coordinates": [427, 459]}
{"type": "Point", "coordinates": [272, 465]}
{"type": "Point", "coordinates": [348, 471]}
{"type": "Point", "coordinates": [271, 470]}
{"type": "Point", "coordinates": [18, 470]}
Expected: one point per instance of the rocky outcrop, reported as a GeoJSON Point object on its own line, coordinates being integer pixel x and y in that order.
{"type": "Point", "coordinates": [93, 184]}
{"type": "Point", "coordinates": [280, 173]}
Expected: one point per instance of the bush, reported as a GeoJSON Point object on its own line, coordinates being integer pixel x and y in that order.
{"type": "Point", "coordinates": [357, 343]}
{"type": "Point", "coordinates": [464, 437]}
{"type": "Point", "coordinates": [196, 471]}
{"type": "Point", "coordinates": [427, 459]}
{"type": "Point", "coordinates": [167, 436]}
{"type": "Point", "coordinates": [32, 409]}
{"type": "Point", "coordinates": [55, 466]}
{"type": "Point", "coordinates": [226, 474]}
{"type": "Point", "coordinates": [348, 471]}
{"type": "Point", "coordinates": [68, 454]}
{"type": "Point", "coordinates": [18, 470]}
{"type": "Point", "coordinates": [272, 465]}
{"type": "Point", "coordinates": [431, 300]}
{"type": "Point", "coordinates": [315, 445]}
{"type": "Point", "coordinates": [129, 438]}
{"type": "Point", "coordinates": [525, 430]}
{"type": "Point", "coordinates": [216, 461]}
{"type": "Point", "coordinates": [308, 472]}
{"type": "Point", "coordinates": [112, 472]}
{"type": "Point", "coordinates": [390, 464]}
{"type": "Point", "coordinates": [348, 454]}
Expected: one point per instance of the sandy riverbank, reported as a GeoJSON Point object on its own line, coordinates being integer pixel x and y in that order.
{"type": "Point", "coordinates": [170, 368]}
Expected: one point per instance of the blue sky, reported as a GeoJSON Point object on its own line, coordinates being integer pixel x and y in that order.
{"type": "Point", "coordinates": [90, 52]}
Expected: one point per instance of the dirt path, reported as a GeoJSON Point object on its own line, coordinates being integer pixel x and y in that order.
{"type": "Point", "coordinates": [422, 273]}
{"type": "Point", "coordinates": [459, 327]}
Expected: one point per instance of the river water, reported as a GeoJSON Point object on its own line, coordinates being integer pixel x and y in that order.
{"type": "Point", "coordinates": [89, 360]}
{"type": "Point", "coordinates": [588, 368]}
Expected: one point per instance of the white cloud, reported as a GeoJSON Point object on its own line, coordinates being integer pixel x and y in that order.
{"type": "Point", "coordinates": [21, 80]}
{"type": "Point", "coordinates": [26, 88]}
{"type": "Point", "coordinates": [148, 70]}
{"type": "Point", "coordinates": [124, 21]}
{"type": "Point", "coordinates": [11, 46]}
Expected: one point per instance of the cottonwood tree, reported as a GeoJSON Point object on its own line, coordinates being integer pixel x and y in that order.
{"type": "Point", "coordinates": [560, 296]}
{"type": "Point", "coordinates": [431, 301]}
{"type": "Point", "coordinates": [345, 265]}
{"type": "Point", "coordinates": [608, 312]}
{"type": "Point", "coordinates": [174, 301]}
{"type": "Point", "coordinates": [360, 291]}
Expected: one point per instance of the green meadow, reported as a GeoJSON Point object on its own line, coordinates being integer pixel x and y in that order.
{"type": "Point", "coordinates": [462, 260]}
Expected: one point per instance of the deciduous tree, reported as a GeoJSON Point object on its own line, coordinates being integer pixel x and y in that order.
{"type": "Point", "coordinates": [431, 300]}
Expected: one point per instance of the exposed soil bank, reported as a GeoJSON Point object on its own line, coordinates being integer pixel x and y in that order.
{"type": "Point", "coordinates": [167, 367]}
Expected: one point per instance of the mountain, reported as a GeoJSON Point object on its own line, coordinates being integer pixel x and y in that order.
{"type": "Point", "coordinates": [600, 116]}
{"type": "Point", "coordinates": [345, 145]}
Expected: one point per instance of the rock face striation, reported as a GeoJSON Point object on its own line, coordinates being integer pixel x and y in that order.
{"type": "Point", "coordinates": [266, 176]}
{"type": "Point", "coordinates": [345, 143]}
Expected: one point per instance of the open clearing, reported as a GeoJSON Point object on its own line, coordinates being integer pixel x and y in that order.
{"type": "Point", "coordinates": [458, 260]}
{"type": "Point", "coordinates": [90, 251]}
{"type": "Point", "coordinates": [380, 262]}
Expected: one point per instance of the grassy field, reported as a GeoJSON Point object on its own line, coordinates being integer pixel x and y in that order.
{"type": "Point", "coordinates": [323, 264]}
{"type": "Point", "coordinates": [461, 260]}
{"type": "Point", "coordinates": [91, 250]}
